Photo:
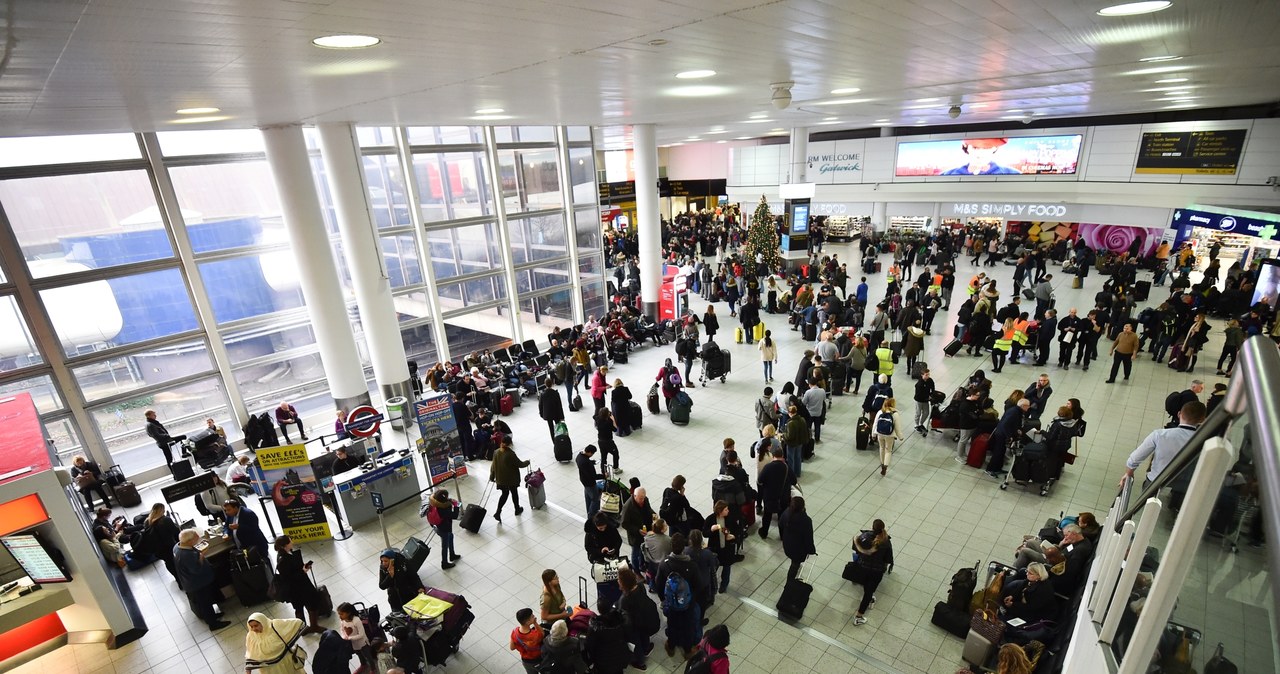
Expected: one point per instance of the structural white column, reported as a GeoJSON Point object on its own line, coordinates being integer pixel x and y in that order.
{"type": "Point", "coordinates": [414, 197]}
{"type": "Point", "coordinates": [363, 250]}
{"type": "Point", "coordinates": [879, 216]}
{"type": "Point", "coordinates": [648, 221]}
{"type": "Point", "coordinates": [798, 171]}
{"type": "Point", "coordinates": [317, 272]}
{"type": "Point", "coordinates": [571, 221]}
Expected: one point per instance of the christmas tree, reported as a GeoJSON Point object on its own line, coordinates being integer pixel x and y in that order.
{"type": "Point", "coordinates": [762, 237]}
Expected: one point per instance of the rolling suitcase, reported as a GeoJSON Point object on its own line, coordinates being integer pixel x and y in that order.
{"type": "Point", "coordinates": [652, 399]}
{"type": "Point", "coordinates": [637, 414]}
{"type": "Point", "coordinates": [1142, 290]}
{"type": "Point", "coordinates": [757, 331]}
{"type": "Point", "coordinates": [250, 577]}
{"type": "Point", "coordinates": [114, 476]}
{"type": "Point", "coordinates": [182, 470]}
{"type": "Point", "coordinates": [810, 332]}
{"type": "Point", "coordinates": [415, 552]}
{"type": "Point", "coordinates": [506, 404]}
{"type": "Point", "coordinates": [838, 375]}
{"type": "Point", "coordinates": [324, 601]}
{"type": "Point", "coordinates": [127, 495]}
{"type": "Point", "coordinates": [863, 434]}
{"type": "Point", "coordinates": [535, 485]}
{"type": "Point", "coordinates": [977, 649]}
{"type": "Point", "coordinates": [953, 347]}
{"type": "Point", "coordinates": [978, 450]}
{"type": "Point", "coordinates": [794, 599]}
{"type": "Point", "coordinates": [473, 514]}
{"type": "Point", "coordinates": [563, 445]}
{"type": "Point", "coordinates": [739, 336]}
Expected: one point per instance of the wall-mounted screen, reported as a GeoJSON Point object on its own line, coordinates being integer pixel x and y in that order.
{"type": "Point", "coordinates": [1191, 152]}
{"type": "Point", "coordinates": [799, 219]}
{"type": "Point", "coordinates": [34, 559]}
{"type": "Point", "coordinates": [993, 156]}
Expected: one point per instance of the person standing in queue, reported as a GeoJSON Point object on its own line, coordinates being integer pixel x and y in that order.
{"type": "Point", "coordinates": [797, 535]}
{"type": "Point", "coordinates": [160, 434]}
{"type": "Point", "coordinates": [875, 555]}
{"type": "Point", "coordinates": [299, 591]}
{"type": "Point", "coordinates": [195, 577]}
{"type": "Point", "coordinates": [505, 474]}
{"type": "Point", "coordinates": [774, 485]}
{"type": "Point", "coordinates": [244, 529]}
{"type": "Point", "coordinates": [394, 576]}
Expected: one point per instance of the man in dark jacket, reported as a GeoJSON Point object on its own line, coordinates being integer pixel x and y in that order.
{"type": "Point", "coordinates": [196, 578]}
{"type": "Point", "coordinates": [684, 628]}
{"type": "Point", "coordinates": [1044, 338]}
{"type": "Point", "coordinates": [551, 409]}
{"type": "Point", "coordinates": [1010, 427]}
{"type": "Point", "coordinates": [637, 516]}
{"type": "Point", "coordinates": [1038, 393]}
{"type": "Point", "coordinates": [1070, 332]}
{"type": "Point", "coordinates": [749, 316]}
{"type": "Point", "coordinates": [642, 616]}
{"type": "Point", "coordinates": [601, 538]}
{"type": "Point", "coordinates": [923, 399]}
{"type": "Point", "coordinates": [462, 417]}
{"type": "Point", "coordinates": [967, 409]}
{"type": "Point", "coordinates": [1078, 552]}
{"type": "Point", "coordinates": [588, 476]}
{"type": "Point", "coordinates": [245, 530]}
{"type": "Point", "coordinates": [774, 486]}
{"type": "Point", "coordinates": [796, 528]}
{"type": "Point", "coordinates": [160, 434]}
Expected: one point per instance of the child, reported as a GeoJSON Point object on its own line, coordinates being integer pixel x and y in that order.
{"type": "Point", "coordinates": [352, 629]}
{"type": "Point", "coordinates": [526, 639]}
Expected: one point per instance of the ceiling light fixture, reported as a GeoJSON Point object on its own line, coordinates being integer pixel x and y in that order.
{"type": "Point", "coordinates": [1014, 110]}
{"type": "Point", "coordinates": [781, 94]}
{"type": "Point", "coordinates": [1158, 59]}
{"type": "Point", "coordinates": [878, 121]}
{"type": "Point", "coordinates": [198, 111]}
{"type": "Point", "coordinates": [758, 120]}
{"type": "Point", "coordinates": [719, 142]}
{"type": "Point", "coordinates": [830, 121]}
{"type": "Point", "coordinates": [743, 138]}
{"type": "Point", "coordinates": [201, 119]}
{"type": "Point", "coordinates": [1132, 8]}
{"type": "Point", "coordinates": [346, 41]}
{"type": "Point", "coordinates": [697, 91]}
{"type": "Point", "coordinates": [695, 74]}
{"type": "Point", "coordinates": [1180, 100]}
{"type": "Point", "coordinates": [491, 118]}
{"type": "Point", "coordinates": [758, 115]}
{"type": "Point", "coordinates": [928, 100]}
{"type": "Point", "coordinates": [776, 130]}
{"type": "Point", "coordinates": [1171, 80]}
{"type": "Point", "coordinates": [490, 111]}
{"type": "Point", "coordinates": [843, 101]}
{"type": "Point", "coordinates": [845, 90]}
{"type": "Point", "coordinates": [883, 124]}
{"type": "Point", "coordinates": [921, 121]}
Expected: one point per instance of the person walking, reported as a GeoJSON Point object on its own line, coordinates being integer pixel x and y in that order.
{"type": "Point", "coordinates": [298, 590]}
{"type": "Point", "coordinates": [710, 322]}
{"type": "Point", "coordinates": [774, 485]}
{"type": "Point", "coordinates": [923, 398]}
{"type": "Point", "coordinates": [887, 431]}
{"type": "Point", "coordinates": [913, 345]}
{"type": "Point", "coordinates": [796, 529]}
{"type": "Point", "coordinates": [857, 365]}
{"type": "Point", "coordinates": [445, 511]}
{"type": "Point", "coordinates": [505, 473]}
{"type": "Point", "coordinates": [768, 355]}
{"type": "Point", "coordinates": [551, 409]}
{"type": "Point", "coordinates": [874, 553]}
{"type": "Point", "coordinates": [605, 427]}
{"type": "Point", "coordinates": [1122, 352]}
{"type": "Point", "coordinates": [766, 410]}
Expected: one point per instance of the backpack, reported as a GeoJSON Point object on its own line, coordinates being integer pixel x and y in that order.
{"type": "Point", "coordinates": [646, 620]}
{"type": "Point", "coordinates": [872, 363]}
{"type": "Point", "coordinates": [433, 516]}
{"type": "Point", "coordinates": [1171, 406]}
{"type": "Point", "coordinates": [700, 663]}
{"type": "Point", "coordinates": [884, 423]}
{"type": "Point", "coordinates": [677, 596]}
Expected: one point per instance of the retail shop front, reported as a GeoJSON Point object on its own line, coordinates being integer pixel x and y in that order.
{"type": "Point", "coordinates": [1243, 236]}
{"type": "Point", "coordinates": [1111, 228]}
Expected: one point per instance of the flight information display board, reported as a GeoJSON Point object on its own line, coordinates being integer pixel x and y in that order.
{"type": "Point", "coordinates": [1191, 152]}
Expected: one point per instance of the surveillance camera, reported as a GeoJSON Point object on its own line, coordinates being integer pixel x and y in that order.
{"type": "Point", "coordinates": [954, 112]}
{"type": "Point", "coordinates": [1026, 120]}
{"type": "Point", "coordinates": [781, 94]}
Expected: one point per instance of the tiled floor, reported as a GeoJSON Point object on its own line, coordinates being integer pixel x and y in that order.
{"type": "Point", "coordinates": [942, 516]}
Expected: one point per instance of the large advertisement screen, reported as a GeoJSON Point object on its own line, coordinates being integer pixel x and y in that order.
{"type": "Point", "coordinates": [1191, 152]}
{"type": "Point", "coordinates": [1020, 155]}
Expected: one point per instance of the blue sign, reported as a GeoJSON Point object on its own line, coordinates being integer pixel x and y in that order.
{"type": "Point", "coordinates": [1184, 219]}
{"type": "Point", "coordinates": [403, 465]}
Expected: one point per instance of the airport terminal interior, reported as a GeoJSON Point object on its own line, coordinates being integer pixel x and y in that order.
{"type": "Point", "coordinates": [213, 212]}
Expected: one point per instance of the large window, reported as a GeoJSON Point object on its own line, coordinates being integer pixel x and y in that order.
{"type": "Point", "coordinates": [446, 135]}
{"type": "Point", "coordinates": [252, 285]}
{"type": "Point", "coordinates": [464, 250]}
{"type": "Point", "coordinates": [229, 205]}
{"type": "Point", "coordinates": [537, 237]}
{"type": "Point", "coordinates": [452, 185]}
{"type": "Point", "coordinates": [70, 223]}
{"type": "Point", "coordinates": [17, 346]}
{"type": "Point", "coordinates": [587, 223]}
{"type": "Point", "coordinates": [159, 365]}
{"type": "Point", "coordinates": [43, 393]}
{"type": "Point", "coordinates": [219, 141]}
{"type": "Point", "coordinates": [46, 150]}
{"type": "Point", "coordinates": [530, 180]}
{"type": "Point", "coordinates": [582, 175]}
{"type": "Point", "coordinates": [98, 315]}
{"type": "Point", "coordinates": [182, 409]}
{"type": "Point", "coordinates": [388, 198]}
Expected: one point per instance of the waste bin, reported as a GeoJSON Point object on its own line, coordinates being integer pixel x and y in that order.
{"type": "Point", "coordinates": [395, 411]}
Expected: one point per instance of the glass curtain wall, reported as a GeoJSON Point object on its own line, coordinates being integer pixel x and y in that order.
{"type": "Point", "coordinates": [100, 254]}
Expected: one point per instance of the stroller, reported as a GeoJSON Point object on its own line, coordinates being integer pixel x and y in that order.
{"type": "Point", "coordinates": [715, 363]}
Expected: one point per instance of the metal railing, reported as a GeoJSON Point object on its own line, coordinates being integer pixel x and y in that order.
{"type": "Point", "coordinates": [1250, 414]}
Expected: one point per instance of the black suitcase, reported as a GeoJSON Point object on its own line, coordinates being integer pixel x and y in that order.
{"type": "Point", "coordinates": [863, 433]}
{"type": "Point", "coordinates": [127, 495]}
{"type": "Point", "coordinates": [473, 514]}
{"type": "Point", "coordinates": [1141, 290]}
{"type": "Point", "coordinates": [182, 470]}
{"type": "Point", "coordinates": [953, 347]}
{"type": "Point", "coordinates": [652, 400]}
{"type": "Point", "coordinates": [953, 621]}
{"type": "Point", "coordinates": [794, 599]}
{"type": "Point", "coordinates": [637, 414]}
{"type": "Point", "coordinates": [838, 373]}
{"type": "Point", "coordinates": [563, 445]}
{"type": "Point", "coordinates": [114, 476]}
{"type": "Point", "coordinates": [415, 552]}
{"type": "Point", "coordinates": [810, 332]}
{"type": "Point", "coordinates": [250, 578]}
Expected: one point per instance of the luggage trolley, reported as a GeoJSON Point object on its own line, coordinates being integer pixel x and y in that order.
{"type": "Point", "coordinates": [716, 367]}
{"type": "Point", "coordinates": [1032, 464]}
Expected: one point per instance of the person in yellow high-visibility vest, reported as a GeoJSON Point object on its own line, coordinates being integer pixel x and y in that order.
{"type": "Point", "coordinates": [1004, 343]}
{"type": "Point", "coordinates": [1021, 326]}
{"type": "Point", "coordinates": [976, 282]}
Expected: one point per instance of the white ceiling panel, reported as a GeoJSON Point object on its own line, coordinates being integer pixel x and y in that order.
{"type": "Point", "coordinates": [115, 65]}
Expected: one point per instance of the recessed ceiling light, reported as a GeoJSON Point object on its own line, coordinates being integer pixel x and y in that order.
{"type": "Point", "coordinates": [1012, 117]}
{"type": "Point", "coordinates": [928, 100]}
{"type": "Point", "coordinates": [829, 121]}
{"type": "Point", "coordinates": [490, 111]}
{"type": "Point", "coordinates": [758, 115]}
{"type": "Point", "coordinates": [921, 121]}
{"type": "Point", "coordinates": [490, 118]}
{"type": "Point", "coordinates": [346, 41]}
{"type": "Point", "coordinates": [842, 101]}
{"type": "Point", "coordinates": [1014, 110]}
{"type": "Point", "coordinates": [883, 124]}
{"type": "Point", "coordinates": [691, 139]}
{"type": "Point", "coordinates": [878, 121]}
{"type": "Point", "coordinates": [977, 105]}
{"type": "Point", "coordinates": [198, 111]}
{"type": "Point", "coordinates": [1157, 59]}
{"type": "Point", "coordinates": [1180, 100]}
{"type": "Point", "coordinates": [1131, 8]}
{"type": "Point", "coordinates": [1178, 92]}
{"type": "Point", "coordinates": [845, 90]}
{"type": "Point", "coordinates": [743, 138]}
{"type": "Point", "coordinates": [674, 144]}
{"type": "Point", "coordinates": [758, 120]}
{"type": "Point", "coordinates": [696, 91]}
{"type": "Point", "coordinates": [776, 130]}
{"type": "Point", "coordinates": [695, 74]}
{"type": "Point", "coordinates": [718, 142]}
{"type": "Point", "coordinates": [1171, 80]}
{"type": "Point", "coordinates": [716, 132]}
{"type": "Point", "coordinates": [201, 119]}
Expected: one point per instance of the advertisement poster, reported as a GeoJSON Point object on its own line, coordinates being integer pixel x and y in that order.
{"type": "Point", "coordinates": [440, 439]}
{"type": "Point", "coordinates": [1191, 152]}
{"type": "Point", "coordinates": [1111, 238]}
{"type": "Point", "coordinates": [1015, 155]}
{"type": "Point", "coordinates": [285, 473]}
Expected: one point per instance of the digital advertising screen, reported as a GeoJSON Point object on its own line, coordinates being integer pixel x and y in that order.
{"type": "Point", "coordinates": [34, 559]}
{"type": "Point", "coordinates": [799, 219]}
{"type": "Point", "coordinates": [1268, 283]}
{"type": "Point", "coordinates": [1014, 155]}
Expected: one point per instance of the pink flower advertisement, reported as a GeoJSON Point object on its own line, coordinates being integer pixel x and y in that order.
{"type": "Point", "coordinates": [1114, 238]}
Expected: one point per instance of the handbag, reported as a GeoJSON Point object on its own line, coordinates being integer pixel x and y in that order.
{"type": "Point", "coordinates": [987, 625]}
{"type": "Point", "coordinates": [610, 503]}
{"type": "Point", "coordinates": [85, 479]}
{"type": "Point", "coordinates": [607, 571]}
